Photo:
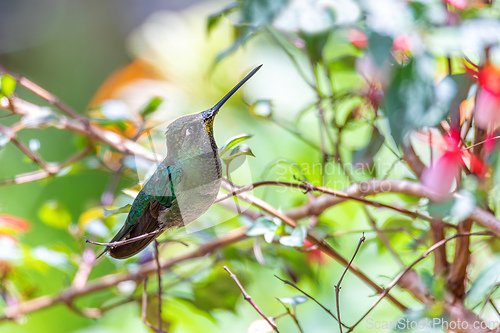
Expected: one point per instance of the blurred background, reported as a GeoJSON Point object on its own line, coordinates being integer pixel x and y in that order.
{"type": "Point", "coordinates": [327, 66]}
{"type": "Point", "coordinates": [90, 52]}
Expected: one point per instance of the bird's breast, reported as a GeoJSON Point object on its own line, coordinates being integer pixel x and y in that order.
{"type": "Point", "coordinates": [199, 186]}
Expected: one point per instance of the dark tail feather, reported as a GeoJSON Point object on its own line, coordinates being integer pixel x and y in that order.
{"type": "Point", "coordinates": [147, 223]}
{"type": "Point", "coordinates": [121, 235]}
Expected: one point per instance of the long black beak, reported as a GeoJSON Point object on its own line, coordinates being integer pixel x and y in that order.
{"type": "Point", "coordinates": [215, 109]}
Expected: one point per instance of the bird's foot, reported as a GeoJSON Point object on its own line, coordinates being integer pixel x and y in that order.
{"type": "Point", "coordinates": [125, 241]}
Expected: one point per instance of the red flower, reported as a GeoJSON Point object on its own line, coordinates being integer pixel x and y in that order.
{"type": "Point", "coordinates": [313, 254]}
{"type": "Point", "coordinates": [488, 98]}
{"type": "Point", "coordinates": [16, 224]}
{"type": "Point", "coordinates": [440, 177]}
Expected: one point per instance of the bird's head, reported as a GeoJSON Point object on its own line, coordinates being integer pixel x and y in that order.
{"type": "Point", "coordinates": [193, 134]}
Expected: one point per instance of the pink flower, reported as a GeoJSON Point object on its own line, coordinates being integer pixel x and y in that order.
{"type": "Point", "coordinates": [459, 4]}
{"type": "Point", "coordinates": [402, 43]}
{"type": "Point", "coordinates": [441, 176]}
{"type": "Point", "coordinates": [488, 98]}
{"type": "Point", "coordinates": [357, 38]}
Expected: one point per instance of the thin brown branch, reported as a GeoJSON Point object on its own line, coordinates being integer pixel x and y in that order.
{"type": "Point", "coordinates": [249, 299]}
{"type": "Point", "coordinates": [373, 187]}
{"type": "Point", "coordinates": [291, 314]}
{"type": "Point", "coordinates": [412, 160]}
{"type": "Point", "coordinates": [145, 308]}
{"type": "Point", "coordinates": [395, 281]}
{"type": "Point", "coordinates": [50, 169]}
{"type": "Point", "coordinates": [337, 287]}
{"type": "Point", "coordinates": [494, 307]}
{"type": "Point", "coordinates": [84, 269]}
{"type": "Point", "coordinates": [125, 241]}
{"type": "Point", "coordinates": [92, 131]}
{"type": "Point", "coordinates": [160, 293]}
{"type": "Point", "coordinates": [321, 244]}
{"type": "Point", "coordinates": [14, 311]}
{"type": "Point", "coordinates": [22, 147]}
{"type": "Point", "coordinates": [311, 298]}
{"type": "Point", "coordinates": [49, 97]}
{"type": "Point", "coordinates": [340, 194]}
{"type": "Point", "coordinates": [458, 270]}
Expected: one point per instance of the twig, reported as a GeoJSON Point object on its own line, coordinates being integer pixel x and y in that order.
{"type": "Point", "coordinates": [49, 97]}
{"type": "Point", "coordinates": [419, 259]}
{"type": "Point", "coordinates": [160, 293]}
{"type": "Point", "coordinates": [93, 132]}
{"type": "Point", "coordinates": [337, 287]}
{"type": "Point", "coordinates": [50, 169]}
{"type": "Point", "coordinates": [145, 307]}
{"type": "Point", "coordinates": [16, 310]}
{"type": "Point", "coordinates": [340, 194]}
{"type": "Point", "coordinates": [481, 142]}
{"type": "Point", "coordinates": [294, 316]}
{"type": "Point", "coordinates": [125, 241]}
{"type": "Point", "coordinates": [84, 269]}
{"type": "Point", "coordinates": [249, 299]}
{"type": "Point", "coordinates": [310, 297]}
{"type": "Point", "coordinates": [494, 307]}
{"type": "Point", "coordinates": [321, 244]}
{"type": "Point", "coordinates": [373, 187]}
{"type": "Point", "coordinates": [32, 156]}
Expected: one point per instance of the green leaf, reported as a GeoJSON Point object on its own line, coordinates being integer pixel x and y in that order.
{"type": "Point", "coordinates": [254, 15]}
{"type": "Point", "coordinates": [261, 226]}
{"type": "Point", "coordinates": [55, 215]}
{"type": "Point", "coordinates": [379, 47]}
{"type": "Point", "coordinates": [438, 287]}
{"type": "Point", "coordinates": [365, 155]}
{"type": "Point", "coordinates": [315, 43]}
{"type": "Point", "coordinates": [344, 63]}
{"type": "Point", "coordinates": [297, 237]}
{"type": "Point", "coordinates": [261, 12]}
{"type": "Point", "coordinates": [299, 175]}
{"type": "Point", "coordinates": [233, 142]}
{"type": "Point", "coordinates": [487, 280]}
{"type": "Point", "coordinates": [7, 85]}
{"type": "Point", "coordinates": [413, 101]}
{"type": "Point", "coordinates": [215, 18]}
{"type": "Point", "coordinates": [207, 293]}
{"type": "Point", "coordinates": [295, 300]}
{"type": "Point", "coordinates": [441, 209]}
{"type": "Point", "coordinates": [241, 150]}
{"type": "Point", "coordinates": [153, 104]}
{"type": "Point", "coordinates": [121, 210]}
{"type": "Point", "coordinates": [270, 235]}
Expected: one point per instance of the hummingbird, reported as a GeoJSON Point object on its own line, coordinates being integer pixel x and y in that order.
{"type": "Point", "coordinates": [183, 186]}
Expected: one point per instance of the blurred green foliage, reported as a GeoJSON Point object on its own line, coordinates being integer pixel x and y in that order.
{"type": "Point", "coordinates": [347, 86]}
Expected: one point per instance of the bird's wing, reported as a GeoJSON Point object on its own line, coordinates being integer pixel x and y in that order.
{"type": "Point", "coordinates": [158, 194]}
